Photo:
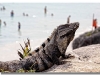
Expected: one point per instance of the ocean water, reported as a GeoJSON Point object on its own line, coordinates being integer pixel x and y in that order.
{"type": "Point", "coordinates": [37, 27]}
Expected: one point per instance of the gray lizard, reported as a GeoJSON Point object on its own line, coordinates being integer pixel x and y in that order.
{"type": "Point", "coordinates": [48, 54]}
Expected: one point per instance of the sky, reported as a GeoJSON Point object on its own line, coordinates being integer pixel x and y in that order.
{"type": "Point", "coordinates": [50, 1]}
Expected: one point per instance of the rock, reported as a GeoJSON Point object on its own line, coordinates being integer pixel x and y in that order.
{"type": "Point", "coordinates": [88, 38]}
{"type": "Point", "coordinates": [88, 61]}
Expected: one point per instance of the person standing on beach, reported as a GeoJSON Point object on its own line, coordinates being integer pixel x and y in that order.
{"type": "Point", "coordinates": [94, 22]}
{"type": "Point", "coordinates": [12, 13]}
{"type": "Point", "coordinates": [19, 26]}
{"type": "Point", "coordinates": [45, 10]}
{"type": "Point", "coordinates": [68, 19]}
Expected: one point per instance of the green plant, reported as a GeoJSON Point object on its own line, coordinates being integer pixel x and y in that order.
{"type": "Point", "coordinates": [26, 49]}
{"type": "Point", "coordinates": [20, 71]}
{"type": "Point", "coordinates": [24, 71]}
{"type": "Point", "coordinates": [1, 70]}
{"type": "Point", "coordinates": [88, 33]}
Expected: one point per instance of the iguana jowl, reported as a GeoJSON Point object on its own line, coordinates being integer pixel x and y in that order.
{"type": "Point", "coordinates": [48, 54]}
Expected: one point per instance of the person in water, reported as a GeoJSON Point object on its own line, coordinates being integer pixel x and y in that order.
{"type": "Point", "coordinates": [4, 23]}
{"type": "Point", "coordinates": [27, 15]}
{"type": "Point", "coordinates": [52, 14]}
{"type": "Point", "coordinates": [23, 14]}
{"type": "Point", "coordinates": [12, 13]}
{"type": "Point", "coordinates": [19, 26]}
{"type": "Point", "coordinates": [4, 8]}
{"type": "Point", "coordinates": [45, 10]}
{"type": "Point", "coordinates": [68, 19]}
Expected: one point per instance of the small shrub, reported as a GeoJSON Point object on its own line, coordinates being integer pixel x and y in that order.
{"type": "Point", "coordinates": [26, 49]}
{"type": "Point", "coordinates": [24, 71]}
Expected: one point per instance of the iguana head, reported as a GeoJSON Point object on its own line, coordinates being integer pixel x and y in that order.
{"type": "Point", "coordinates": [65, 34]}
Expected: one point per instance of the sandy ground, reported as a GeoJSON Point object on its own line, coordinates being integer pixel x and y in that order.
{"type": "Point", "coordinates": [87, 59]}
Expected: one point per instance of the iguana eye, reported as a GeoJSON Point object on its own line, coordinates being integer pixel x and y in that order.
{"type": "Point", "coordinates": [68, 25]}
{"type": "Point", "coordinates": [67, 34]}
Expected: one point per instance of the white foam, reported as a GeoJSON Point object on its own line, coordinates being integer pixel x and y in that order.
{"type": "Point", "coordinates": [34, 16]}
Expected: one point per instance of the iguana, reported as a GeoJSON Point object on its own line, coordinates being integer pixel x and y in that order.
{"type": "Point", "coordinates": [48, 54]}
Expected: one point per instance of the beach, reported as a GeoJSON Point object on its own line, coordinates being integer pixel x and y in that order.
{"type": "Point", "coordinates": [88, 62]}
{"type": "Point", "coordinates": [37, 27]}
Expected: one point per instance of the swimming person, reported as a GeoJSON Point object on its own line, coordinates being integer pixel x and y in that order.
{"type": "Point", "coordinates": [51, 14]}
{"type": "Point", "coordinates": [1, 9]}
{"type": "Point", "coordinates": [26, 14]}
{"type": "Point", "coordinates": [12, 13]}
{"type": "Point", "coordinates": [4, 8]}
{"type": "Point", "coordinates": [4, 23]}
{"type": "Point", "coordinates": [68, 19]}
{"type": "Point", "coordinates": [23, 14]}
{"type": "Point", "coordinates": [19, 26]}
{"type": "Point", "coordinates": [45, 10]}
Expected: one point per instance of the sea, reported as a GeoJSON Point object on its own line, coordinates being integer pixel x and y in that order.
{"type": "Point", "coordinates": [37, 26]}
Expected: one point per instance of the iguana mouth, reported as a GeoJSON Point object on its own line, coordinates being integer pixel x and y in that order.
{"type": "Point", "coordinates": [76, 26]}
{"type": "Point", "coordinates": [67, 29]}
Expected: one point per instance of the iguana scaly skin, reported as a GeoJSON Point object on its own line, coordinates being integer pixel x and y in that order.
{"type": "Point", "coordinates": [48, 54]}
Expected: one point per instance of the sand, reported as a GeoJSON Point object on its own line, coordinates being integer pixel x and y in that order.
{"type": "Point", "coordinates": [88, 60]}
